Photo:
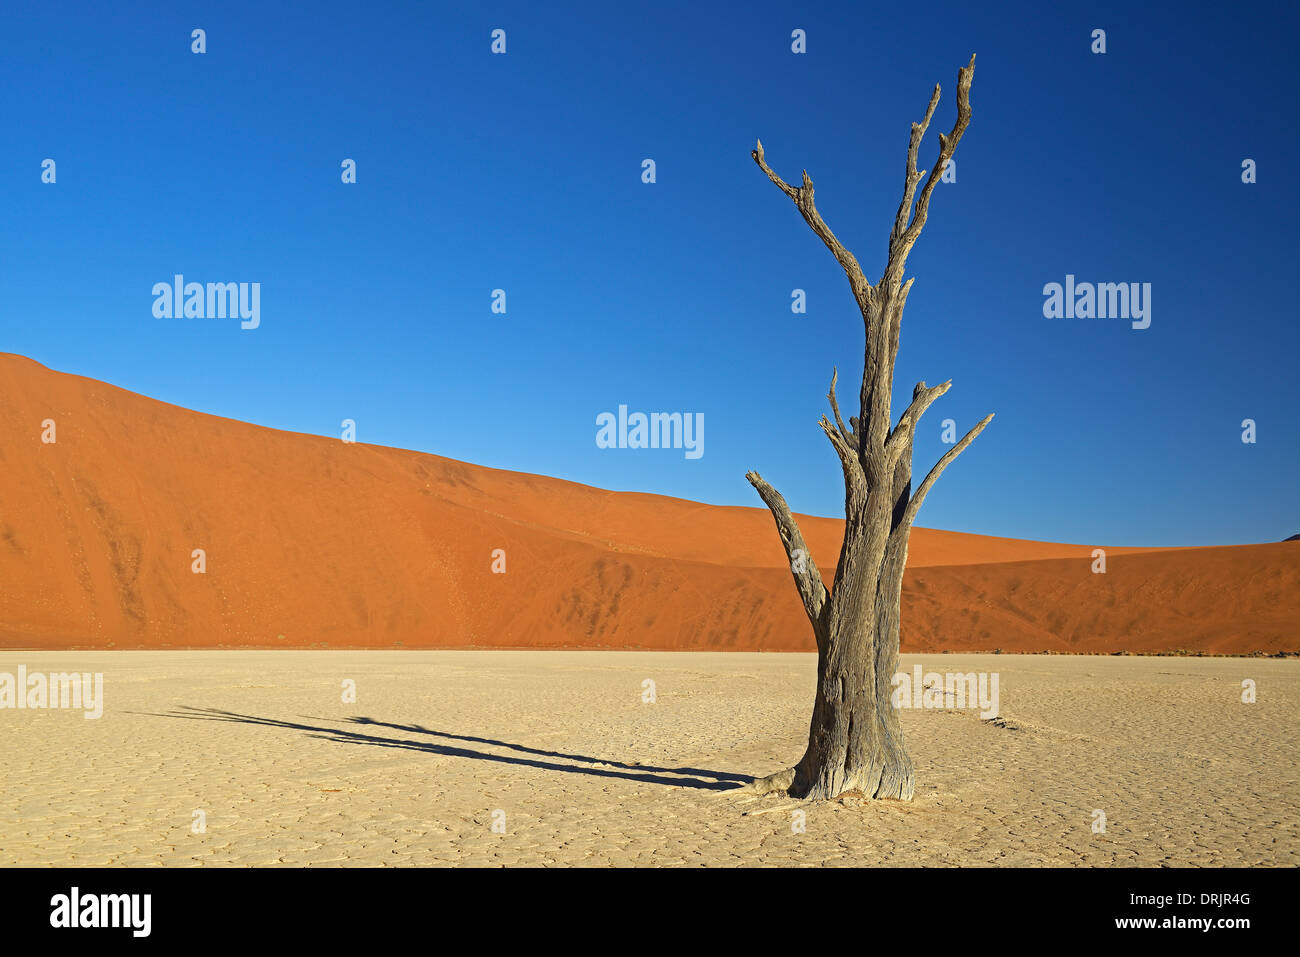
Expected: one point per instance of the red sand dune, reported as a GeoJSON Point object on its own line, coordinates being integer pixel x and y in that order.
{"type": "Point", "coordinates": [312, 542]}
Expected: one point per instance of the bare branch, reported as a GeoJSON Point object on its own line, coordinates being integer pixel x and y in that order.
{"type": "Point", "coordinates": [947, 146]}
{"type": "Point", "coordinates": [848, 456]}
{"type": "Point", "coordinates": [891, 291]}
{"type": "Point", "coordinates": [896, 322]}
{"type": "Point", "coordinates": [849, 437]}
{"type": "Point", "coordinates": [757, 153]}
{"type": "Point", "coordinates": [904, 234]}
{"type": "Point", "coordinates": [922, 398]}
{"type": "Point", "coordinates": [803, 199]}
{"type": "Point", "coordinates": [913, 175]}
{"type": "Point", "coordinates": [806, 576]}
{"type": "Point", "coordinates": [924, 489]}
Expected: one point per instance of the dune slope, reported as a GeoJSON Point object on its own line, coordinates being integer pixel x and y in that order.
{"type": "Point", "coordinates": [311, 542]}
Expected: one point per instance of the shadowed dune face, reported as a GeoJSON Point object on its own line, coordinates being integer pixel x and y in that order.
{"type": "Point", "coordinates": [312, 542]}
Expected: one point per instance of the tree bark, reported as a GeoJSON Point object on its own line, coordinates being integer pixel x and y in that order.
{"type": "Point", "coordinates": [855, 739]}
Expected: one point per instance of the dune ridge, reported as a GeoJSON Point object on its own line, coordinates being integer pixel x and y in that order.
{"type": "Point", "coordinates": [314, 543]}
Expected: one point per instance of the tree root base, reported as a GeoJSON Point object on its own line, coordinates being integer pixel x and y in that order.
{"type": "Point", "coordinates": [886, 785]}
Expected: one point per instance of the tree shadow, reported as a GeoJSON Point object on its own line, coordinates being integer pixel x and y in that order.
{"type": "Point", "coordinates": [597, 767]}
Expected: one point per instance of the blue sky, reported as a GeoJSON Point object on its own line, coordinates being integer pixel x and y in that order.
{"type": "Point", "coordinates": [522, 172]}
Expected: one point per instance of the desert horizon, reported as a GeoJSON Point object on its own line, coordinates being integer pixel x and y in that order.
{"type": "Point", "coordinates": [376, 547]}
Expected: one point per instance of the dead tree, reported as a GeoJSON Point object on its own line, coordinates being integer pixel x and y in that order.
{"type": "Point", "coordinates": [855, 742]}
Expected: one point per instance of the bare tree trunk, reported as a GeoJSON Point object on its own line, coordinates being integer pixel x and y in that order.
{"type": "Point", "coordinates": [855, 740]}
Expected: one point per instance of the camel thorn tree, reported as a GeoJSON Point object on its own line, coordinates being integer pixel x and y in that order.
{"type": "Point", "coordinates": [855, 742]}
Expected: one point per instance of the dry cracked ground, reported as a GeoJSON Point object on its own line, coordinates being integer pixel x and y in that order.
{"type": "Point", "coordinates": [557, 758]}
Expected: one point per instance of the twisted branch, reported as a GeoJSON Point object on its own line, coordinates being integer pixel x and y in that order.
{"type": "Point", "coordinates": [901, 438]}
{"type": "Point", "coordinates": [849, 436]}
{"type": "Point", "coordinates": [807, 578]}
{"type": "Point", "coordinates": [803, 199]}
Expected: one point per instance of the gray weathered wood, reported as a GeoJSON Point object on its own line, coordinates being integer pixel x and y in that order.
{"type": "Point", "coordinates": [855, 740]}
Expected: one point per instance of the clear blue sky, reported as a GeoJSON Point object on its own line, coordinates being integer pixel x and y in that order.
{"type": "Point", "coordinates": [523, 172]}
